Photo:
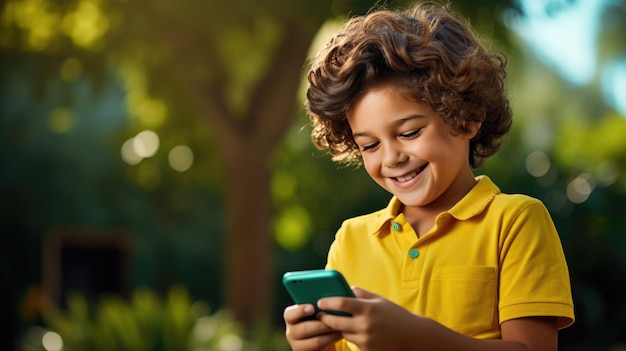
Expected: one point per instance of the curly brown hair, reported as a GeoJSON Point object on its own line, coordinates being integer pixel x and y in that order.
{"type": "Point", "coordinates": [431, 54]}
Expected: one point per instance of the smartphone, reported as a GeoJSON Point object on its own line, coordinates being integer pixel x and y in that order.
{"type": "Point", "coordinates": [306, 287]}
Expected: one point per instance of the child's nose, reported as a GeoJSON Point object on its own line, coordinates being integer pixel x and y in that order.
{"type": "Point", "coordinates": [394, 157]}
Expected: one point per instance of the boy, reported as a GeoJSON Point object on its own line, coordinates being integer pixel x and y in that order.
{"type": "Point", "coordinates": [451, 263]}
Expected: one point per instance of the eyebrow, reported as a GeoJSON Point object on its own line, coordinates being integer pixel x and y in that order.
{"type": "Point", "coordinates": [397, 123]}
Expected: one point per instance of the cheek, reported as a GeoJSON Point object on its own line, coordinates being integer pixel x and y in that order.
{"type": "Point", "coordinates": [371, 165]}
{"type": "Point", "coordinates": [444, 146]}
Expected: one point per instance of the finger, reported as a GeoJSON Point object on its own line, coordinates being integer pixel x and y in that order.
{"type": "Point", "coordinates": [344, 324]}
{"type": "Point", "coordinates": [342, 304]}
{"type": "Point", "coordinates": [307, 330]}
{"type": "Point", "coordinates": [295, 313]}
{"type": "Point", "coordinates": [363, 294]}
{"type": "Point", "coordinates": [309, 334]}
{"type": "Point", "coordinates": [320, 342]}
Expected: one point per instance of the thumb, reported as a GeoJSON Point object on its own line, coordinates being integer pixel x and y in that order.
{"type": "Point", "coordinates": [363, 294]}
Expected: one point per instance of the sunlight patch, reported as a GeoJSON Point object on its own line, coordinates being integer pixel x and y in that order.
{"type": "Point", "coordinates": [293, 228]}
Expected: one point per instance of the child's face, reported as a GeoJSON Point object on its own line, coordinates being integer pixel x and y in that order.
{"type": "Point", "coordinates": [408, 150]}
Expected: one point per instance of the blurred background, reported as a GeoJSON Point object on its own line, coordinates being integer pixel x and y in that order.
{"type": "Point", "coordinates": [157, 176]}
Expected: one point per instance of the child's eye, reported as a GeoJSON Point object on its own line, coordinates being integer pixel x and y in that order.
{"type": "Point", "coordinates": [369, 146]}
{"type": "Point", "coordinates": [411, 134]}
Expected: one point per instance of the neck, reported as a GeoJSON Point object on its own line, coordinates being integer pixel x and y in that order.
{"type": "Point", "coordinates": [422, 218]}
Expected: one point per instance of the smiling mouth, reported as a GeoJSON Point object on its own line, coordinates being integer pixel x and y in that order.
{"type": "Point", "coordinates": [406, 178]}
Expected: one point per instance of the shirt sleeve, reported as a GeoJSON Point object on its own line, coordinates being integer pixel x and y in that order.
{"type": "Point", "coordinates": [534, 278]}
{"type": "Point", "coordinates": [331, 259]}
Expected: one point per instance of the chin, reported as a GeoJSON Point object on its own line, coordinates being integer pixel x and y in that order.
{"type": "Point", "coordinates": [412, 201]}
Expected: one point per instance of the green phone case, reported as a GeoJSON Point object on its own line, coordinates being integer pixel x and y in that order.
{"type": "Point", "coordinates": [306, 287]}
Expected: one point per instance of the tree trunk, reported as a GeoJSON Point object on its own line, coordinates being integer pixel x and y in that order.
{"type": "Point", "coordinates": [245, 145]}
{"type": "Point", "coordinates": [248, 254]}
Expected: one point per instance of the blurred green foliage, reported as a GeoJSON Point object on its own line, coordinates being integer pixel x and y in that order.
{"type": "Point", "coordinates": [146, 322]}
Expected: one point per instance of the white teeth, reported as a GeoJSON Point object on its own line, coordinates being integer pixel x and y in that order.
{"type": "Point", "coordinates": [407, 177]}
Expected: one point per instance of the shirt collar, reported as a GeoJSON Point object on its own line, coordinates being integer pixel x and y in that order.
{"type": "Point", "coordinates": [386, 215]}
{"type": "Point", "coordinates": [472, 204]}
{"type": "Point", "coordinates": [476, 200]}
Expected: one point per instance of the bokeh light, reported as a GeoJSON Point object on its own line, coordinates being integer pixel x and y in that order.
{"type": "Point", "coordinates": [537, 164]}
{"type": "Point", "coordinates": [149, 111]}
{"type": "Point", "coordinates": [86, 24]}
{"type": "Point", "coordinates": [180, 158]}
{"type": "Point", "coordinates": [146, 144]}
{"type": "Point", "coordinates": [230, 342]}
{"type": "Point", "coordinates": [579, 189]}
{"type": "Point", "coordinates": [52, 341]}
{"type": "Point", "coordinates": [293, 228]}
{"type": "Point", "coordinates": [204, 328]}
{"type": "Point", "coordinates": [143, 145]}
{"type": "Point", "coordinates": [128, 153]}
{"type": "Point", "coordinates": [34, 17]}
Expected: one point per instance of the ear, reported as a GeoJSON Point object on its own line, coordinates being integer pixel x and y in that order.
{"type": "Point", "coordinates": [473, 129]}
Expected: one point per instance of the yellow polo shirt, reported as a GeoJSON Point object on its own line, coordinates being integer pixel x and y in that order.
{"type": "Point", "coordinates": [491, 258]}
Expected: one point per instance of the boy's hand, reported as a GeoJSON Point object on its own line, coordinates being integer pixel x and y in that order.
{"type": "Point", "coordinates": [379, 324]}
{"type": "Point", "coordinates": [307, 335]}
{"type": "Point", "coordinates": [376, 323]}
